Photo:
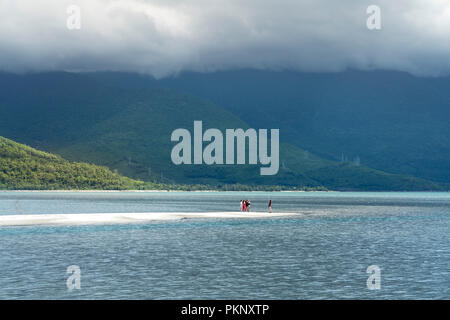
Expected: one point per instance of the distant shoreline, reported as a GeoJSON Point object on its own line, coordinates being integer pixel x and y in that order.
{"type": "Point", "coordinates": [217, 191]}
{"type": "Point", "coordinates": [155, 191]}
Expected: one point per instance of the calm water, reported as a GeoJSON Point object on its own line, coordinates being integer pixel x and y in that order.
{"type": "Point", "coordinates": [320, 253]}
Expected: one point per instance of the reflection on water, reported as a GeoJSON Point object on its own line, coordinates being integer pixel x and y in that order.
{"type": "Point", "coordinates": [322, 254]}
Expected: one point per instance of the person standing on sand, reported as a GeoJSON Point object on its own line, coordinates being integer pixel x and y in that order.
{"type": "Point", "coordinates": [244, 202]}
{"type": "Point", "coordinates": [248, 204]}
{"type": "Point", "coordinates": [270, 206]}
{"type": "Point", "coordinates": [241, 205]}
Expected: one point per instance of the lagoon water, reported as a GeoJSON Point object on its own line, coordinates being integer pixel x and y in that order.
{"type": "Point", "coordinates": [322, 251]}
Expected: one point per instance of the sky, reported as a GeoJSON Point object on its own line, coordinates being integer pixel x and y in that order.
{"type": "Point", "coordinates": [165, 37]}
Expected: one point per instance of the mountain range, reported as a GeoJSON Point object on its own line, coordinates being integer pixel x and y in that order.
{"type": "Point", "coordinates": [348, 131]}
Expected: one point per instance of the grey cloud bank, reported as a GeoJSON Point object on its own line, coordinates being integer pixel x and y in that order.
{"type": "Point", "coordinates": [163, 37]}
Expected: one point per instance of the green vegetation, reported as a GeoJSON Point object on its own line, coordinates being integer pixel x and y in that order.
{"type": "Point", "coordinates": [24, 168]}
{"type": "Point", "coordinates": [128, 130]}
{"type": "Point", "coordinates": [234, 187]}
{"type": "Point", "coordinates": [390, 121]}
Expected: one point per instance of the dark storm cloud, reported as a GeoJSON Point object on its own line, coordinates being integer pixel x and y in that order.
{"type": "Point", "coordinates": [167, 36]}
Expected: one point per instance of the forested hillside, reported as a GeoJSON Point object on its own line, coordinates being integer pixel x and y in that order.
{"type": "Point", "coordinates": [22, 167]}
{"type": "Point", "coordinates": [128, 129]}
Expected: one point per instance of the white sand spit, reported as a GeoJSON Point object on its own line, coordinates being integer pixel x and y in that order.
{"type": "Point", "coordinates": [123, 218]}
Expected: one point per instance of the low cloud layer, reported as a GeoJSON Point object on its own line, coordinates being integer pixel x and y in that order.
{"type": "Point", "coordinates": [163, 37]}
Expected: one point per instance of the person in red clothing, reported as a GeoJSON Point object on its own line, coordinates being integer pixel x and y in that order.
{"type": "Point", "coordinates": [244, 205]}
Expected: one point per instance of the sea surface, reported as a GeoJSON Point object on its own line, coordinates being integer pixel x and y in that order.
{"type": "Point", "coordinates": [322, 251]}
